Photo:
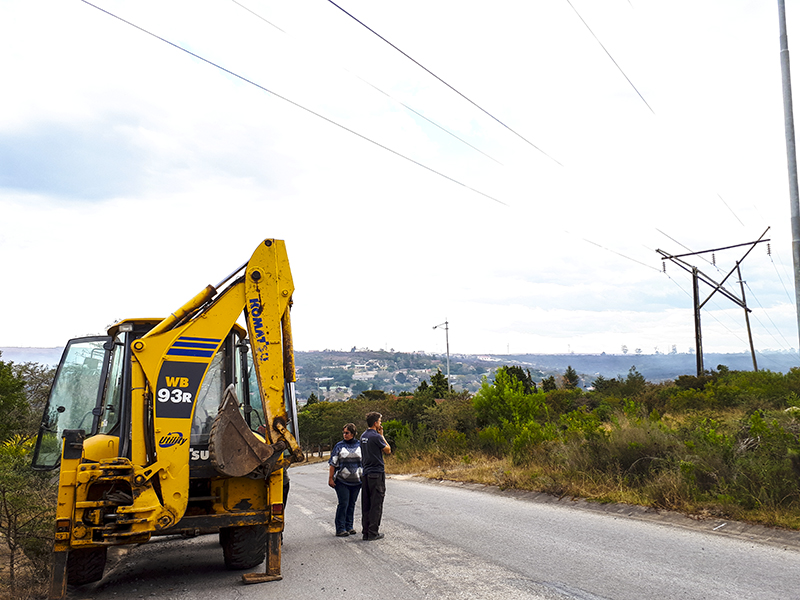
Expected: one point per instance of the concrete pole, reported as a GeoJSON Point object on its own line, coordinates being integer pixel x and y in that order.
{"type": "Point", "coordinates": [447, 339]}
{"type": "Point", "coordinates": [791, 156]}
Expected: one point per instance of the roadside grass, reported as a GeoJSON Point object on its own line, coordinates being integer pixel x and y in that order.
{"type": "Point", "coordinates": [695, 463]}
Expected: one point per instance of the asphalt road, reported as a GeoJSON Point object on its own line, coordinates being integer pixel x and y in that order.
{"type": "Point", "coordinates": [448, 541]}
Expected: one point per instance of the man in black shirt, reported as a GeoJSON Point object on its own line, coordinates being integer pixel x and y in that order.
{"type": "Point", "coordinates": [373, 478]}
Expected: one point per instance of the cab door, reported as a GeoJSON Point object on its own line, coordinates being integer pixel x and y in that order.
{"type": "Point", "coordinates": [76, 396]}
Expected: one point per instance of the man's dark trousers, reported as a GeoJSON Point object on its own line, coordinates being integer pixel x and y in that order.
{"type": "Point", "coordinates": [373, 490]}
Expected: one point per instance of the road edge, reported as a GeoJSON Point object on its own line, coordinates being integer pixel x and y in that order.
{"type": "Point", "coordinates": [773, 536]}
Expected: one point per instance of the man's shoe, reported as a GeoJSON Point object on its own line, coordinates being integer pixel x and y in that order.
{"type": "Point", "coordinates": [351, 532]}
{"type": "Point", "coordinates": [342, 534]}
{"type": "Point", "coordinates": [377, 537]}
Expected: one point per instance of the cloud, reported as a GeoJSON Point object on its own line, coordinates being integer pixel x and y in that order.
{"type": "Point", "coordinates": [131, 174]}
{"type": "Point", "coordinates": [87, 161]}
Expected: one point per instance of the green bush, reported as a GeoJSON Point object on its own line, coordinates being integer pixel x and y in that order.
{"type": "Point", "coordinates": [633, 450]}
{"type": "Point", "coordinates": [581, 424]}
{"type": "Point", "coordinates": [505, 400]}
{"type": "Point", "coordinates": [680, 400]}
{"type": "Point", "coordinates": [452, 442]}
{"type": "Point", "coordinates": [765, 476]}
{"type": "Point", "coordinates": [562, 401]}
{"type": "Point", "coordinates": [492, 441]}
{"type": "Point", "coordinates": [529, 440]}
{"type": "Point", "coordinates": [398, 434]}
{"type": "Point", "coordinates": [27, 510]}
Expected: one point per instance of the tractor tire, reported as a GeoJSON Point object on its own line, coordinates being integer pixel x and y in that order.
{"type": "Point", "coordinates": [243, 547]}
{"type": "Point", "coordinates": [86, 565]}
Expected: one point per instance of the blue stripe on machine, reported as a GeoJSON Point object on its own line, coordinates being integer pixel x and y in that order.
{"type": "Point", "coordinates": [180, 344]}
{"type": "Point", "coordinates": [188, 352]}
{"type": "Point", "coordinates": [199, 339]}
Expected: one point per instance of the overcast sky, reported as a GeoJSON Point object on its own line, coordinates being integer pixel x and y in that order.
{"type": "Point", "coordinates": [133, 174]}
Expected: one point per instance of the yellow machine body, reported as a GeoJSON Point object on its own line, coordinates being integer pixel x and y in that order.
{"type": "Point", "coordinates": [146, 448]}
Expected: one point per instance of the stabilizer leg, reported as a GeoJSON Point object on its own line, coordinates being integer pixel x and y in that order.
{"type": "Point", "coordinates": [58, 576]}
{"type": "Point", "coordinates": [273, 572]}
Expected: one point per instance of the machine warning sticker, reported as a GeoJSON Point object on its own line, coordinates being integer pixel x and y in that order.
{"type": "Point", "coordinates": [176, 388]}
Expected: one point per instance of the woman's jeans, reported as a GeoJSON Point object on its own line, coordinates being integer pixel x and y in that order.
{"type": "Point", "coordinates": [347, 494]}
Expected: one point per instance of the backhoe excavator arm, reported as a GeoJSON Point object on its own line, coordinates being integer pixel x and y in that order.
{"type": "Point", "coordinates": [176, 354]}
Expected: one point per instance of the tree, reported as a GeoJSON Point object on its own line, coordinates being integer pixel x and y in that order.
{"type": "Point", "coordinates": [629, 387]}
{"type": "Point", "coordinates": [27, 498]}
{"type": "Point", "coordinates": [600, 384]}
{"type": "Point", "coordinates": [523, 377]}
{"type": "Point", "coordinates": [37, 379]}
{"type": "Point", "coordinates": [549, 384]}
{"type": "Point", "coordinates": [571, 378]}
{"type": "Point", "coordinates": [440, 385]}
{"type": "Point", "coordinates": [411, 407]}
{"type": "Point", "coordinates": [505, 400]}
{"type": "Point", "coordinates": [14, 410]}
{"type": "Point", "coordinates": [312, 399]}
{"type": "Point", "coordinates": [635, 383]}
{"type": "Point", "coordinates": [321, 423]}
{"type": "Point", "coordinates": [372, 395]}
{"type": "Point", "coordinates": [457, 414]}
{"type": "Point", "coordinates": [27, 508]}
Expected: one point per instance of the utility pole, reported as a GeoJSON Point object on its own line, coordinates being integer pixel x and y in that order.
{"type": "Point", "coordinates": [698, 276]}
{"type": "Point", "coordinates": [698, 335]}
{"type": "Point", "coordinates": [747, 319]}
{"type": "Point", "coordinates": [447, 340]}
{"type": "Point", "coordinates": [791, 155]}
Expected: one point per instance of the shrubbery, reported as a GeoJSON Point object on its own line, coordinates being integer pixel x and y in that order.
{"type": "Point", "coordinates": [27, 498]}
{"type": "Point", "coordinates": [727, 443]}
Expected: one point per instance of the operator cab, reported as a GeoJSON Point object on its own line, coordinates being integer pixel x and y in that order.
{"type": "Point", "coordinates": [89, 394]}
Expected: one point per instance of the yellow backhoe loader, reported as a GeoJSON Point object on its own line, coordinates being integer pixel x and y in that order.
{"type": "Point", "coordinates": [183, 425]}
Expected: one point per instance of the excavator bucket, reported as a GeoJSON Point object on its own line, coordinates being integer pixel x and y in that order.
{"type": "Point", "coordinates": [234, 449]}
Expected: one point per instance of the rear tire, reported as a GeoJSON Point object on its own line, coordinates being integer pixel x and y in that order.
{"type": "Point", "coordinates": [243, 547]}
{"type": "Point", "coordinates": [86, 565]}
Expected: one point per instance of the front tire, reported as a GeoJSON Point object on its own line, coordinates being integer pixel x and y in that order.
{"type": "Point", "coordinates": [86, 565]}
{"type": "Point", "coordinates": [243, 547]}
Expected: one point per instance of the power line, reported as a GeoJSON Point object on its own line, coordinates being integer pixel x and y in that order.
{"type": "Point", "coordinates": [619, 254]}
{"type": "Point", "coordinates": [609, 56]}
{"type": "Point", "coordinates": [259, 16]}
{"type": "Point", "coordinates": [376, 88]}
{"type": "Point", "coordinates": [730, 209]}
{"type": "Point", "coordinates": [770, 318]}
{"type": "Point", "coordinates": [778, 273]}
{"type": "Point", "coordinates": [709, 313]}
{"type": "Point", "coordinates": [420, 115]}
{"type": "Point", "coordinates": [686, 247]}
{"type": "Point", "coordinates": [295, 104]}
{"type": "Point", "coordinates": [421, 66]}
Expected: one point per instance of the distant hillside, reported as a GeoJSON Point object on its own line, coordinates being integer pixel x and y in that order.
{"type": "Point", "coordinates": [44, 356]}
{"type": "Point", "coordinates": [340, 375]}
{"type": "Point", "coordinates": [654, 367]}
